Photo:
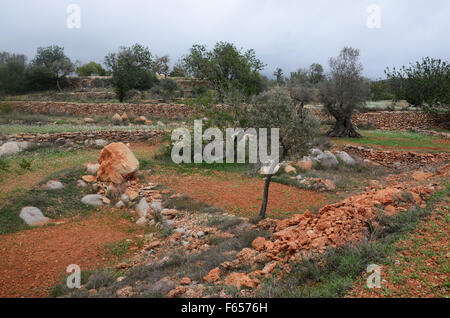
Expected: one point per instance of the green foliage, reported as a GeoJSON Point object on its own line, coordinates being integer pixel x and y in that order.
{"type": "Point", "coordinates": [178, 70]}
{"type": "Point", "coordinates": [91, 69]}
{"type": "Point", "coordinates": [132, 68]}
{"type": "Point", "coordinates": [276, 109]}
{"type": "Point", "coordinates": [344, 91]}
{"type": "Point", "coordinates": [53, 60]}
{"type": "Point", "coordinates": [226, 68]}
{"type": "Point", "coordinates": [161, 65]}
{"type": "Point", "coordinates": [12, 73]}
{"type": "Point", "coordinates": [380, 90]}
{"type": "Point", "coordinates": [4, 164]}
{"type": "Point", "coordinates": [5, 108]}
{"type": "Point", "coordinates": [424, 84]}
{"type": "Point", "coordinates": [25, 164]}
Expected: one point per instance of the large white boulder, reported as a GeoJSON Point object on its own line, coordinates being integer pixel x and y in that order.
{"type": "Point", "coordinates": [327, 160]}
{"type": "Point", "coordinates": [13, 147]}
{"type": "Point", "coordinates": [33, 216]}
{"type": "Point", "coordinates": [93, 199]}
{"type": "Point", "coordinates": [345, 158]}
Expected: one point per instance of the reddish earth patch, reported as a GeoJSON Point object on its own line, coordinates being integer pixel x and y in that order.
{"type": "Point", "coordinates": [420, 268]}
{"type": "Point", "coordinates": [35, 260]}
{"type": "Point", "coordinates": [242, 195]}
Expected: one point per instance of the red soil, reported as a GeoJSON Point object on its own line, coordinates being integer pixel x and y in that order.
{"type": "Point", "coordinates": [33, 261]}
{"type": "Point", "coordinates": [241, 195]}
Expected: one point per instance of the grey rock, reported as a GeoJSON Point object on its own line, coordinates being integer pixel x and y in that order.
{"type": "Point", "coordinates": [163, 286]}
{"type": "Point", "coordinates": [142, 221]}
{"type": "Point", "coordinates": [316, 152]}
{"type": "Point", "coordinates": [53, 185]}
{"type": "Point", "coordinates": [93, 199]}
{"type": "Point", "coordinates": [327, 160]}
{"type": "Point", "coordinates": [81, 184]}
{"type": "Point", "coordinates": [156, 206]}
{"type": "Point", "coordinates": [92, 168]}
{"type": "Point", "coordinates": [125, 198]}
{"type": "Point", "coordinates": [120, 205]}
{"type": "Point", "coordinates": [33, 216]}
{"type": "Point", "coordinates": [100, 143]}
{"type": "Point", "coordinates": [180, 230]}
{"type": "Point", "coordinates": [345, 158]}
{"type": "Point", "coordinates": [200, 234]}
{"type": "Point", "coordinates": [13, 147]}
{"type": "Point", "coordinates": [142, 208]}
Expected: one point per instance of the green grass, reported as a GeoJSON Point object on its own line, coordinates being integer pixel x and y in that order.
{"type": "Point", "coordinates": [54, 204]}
{"type": "Point", "coordinates": [396, 139]}
{"type": "Point", "coordinates": [334, 273]}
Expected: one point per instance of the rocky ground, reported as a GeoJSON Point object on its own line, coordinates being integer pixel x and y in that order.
{"type": "Point", "coordinates": [189, 235]}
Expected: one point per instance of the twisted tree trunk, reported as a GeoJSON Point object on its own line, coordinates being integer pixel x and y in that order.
{"type": "Point", "coordinates": [343, 128]}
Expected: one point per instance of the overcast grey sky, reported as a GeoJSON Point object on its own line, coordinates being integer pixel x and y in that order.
{"type": "Point", "coordinates": [285, 33]}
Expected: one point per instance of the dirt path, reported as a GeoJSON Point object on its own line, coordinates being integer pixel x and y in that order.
{"type": "Point", "coordinates": [242, 195]}
{"type": "Point", "coordinates": [33, 261]}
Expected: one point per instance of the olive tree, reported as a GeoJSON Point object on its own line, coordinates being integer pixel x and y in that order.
{"type": "Point", "coordinates": [131, 68]}
{"type": "Point", "coordinates": [343, 91]}
{"type": "Point", "coordinates": [12, 73]}
{"type": "Point", "coordinates": [53, 59]}
{"type": "Point", "coordinates": [276, 109]}
{"type": "Point", "coordinates": [226, 68]}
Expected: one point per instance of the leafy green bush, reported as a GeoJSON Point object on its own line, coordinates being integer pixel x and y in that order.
{"type": "Point", "coordinates": [424, 84]}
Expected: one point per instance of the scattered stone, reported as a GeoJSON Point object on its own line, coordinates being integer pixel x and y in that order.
{"type": "Point", "coordinates": [117, 163]}
{"type": "Point", "coordinates": [345, 158]}
{"type": "Point", "coordinates": [92, 168]}
{"type": "Point", "coordinates": [259, 244]}
{"type": "Point", "coordinates": [81, 184]}
{"type": "Point", "coordinates": [185, 281]}
{"type": "Point", "coordinates": [289, 169]}
{"type": "Point", "coordinates": [142, 208]}
{"type": "Point", "coordinates": [89, 120]}
{"type": "Point", "coordinates": [240, 280]}
{"type": "Point", "coordinates": [327, 160]}
{"type": "Point", "coordinates": [142, 221]}
{"type": "Point", "coordinates": [89, 178]}
{"type": "Point", "coordinates": [100, 143]}
{"type": "Point", "coordinates": [213, 275]}
{"type": "Point", "coordinates": [120, 205]}
{"type": "Point", "coordinates": [53, 185]}
{"type": "Point", "coordinates": [13, 147]}
{"type": "Point", "coordinates": [93, 199]}
{"type": "Point", "coordinates": [305, 164]}
{"type": "Point", "coordinates": [131, 194]}
{"type": "Point", "coordinates": [117, 119]}
{"type": "Point", "coordinates": [33, 216]}
{"type": "Point", "coordinates": [422, 176]}
{"type": "Point", "coordinates": [140, 120]}
{"type": "Point", "coordinates": [125, 292]}
{"type": "Point", "coordinates": [200, 234]}
{"type": "Point", "coordinates": [125, 117]}
{"type": "Point", "coordinates": [316, 152]}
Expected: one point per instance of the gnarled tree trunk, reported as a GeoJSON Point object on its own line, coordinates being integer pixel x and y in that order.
{"type": "Point", "coordinates": [343, 128]}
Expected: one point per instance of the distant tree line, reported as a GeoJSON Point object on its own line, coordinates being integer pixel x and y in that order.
{"type": "Point", "coordinates": [235, 72]}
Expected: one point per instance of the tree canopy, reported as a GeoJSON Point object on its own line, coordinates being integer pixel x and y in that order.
{"type": "Point", "coordinates": [226, 68]}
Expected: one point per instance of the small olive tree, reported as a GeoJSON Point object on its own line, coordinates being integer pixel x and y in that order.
{"type": "Point", "coordinates": [53, 60]}
{"type": "Point", "coordinates": [343, 91]}
{"type": "Point", "coordinates": [276, 109]}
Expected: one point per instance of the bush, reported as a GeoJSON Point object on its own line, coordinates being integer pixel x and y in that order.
{"type": "Point", "coordinates": [5, 108]}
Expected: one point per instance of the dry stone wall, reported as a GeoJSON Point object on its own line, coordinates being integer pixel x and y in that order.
{"type": "Point", "coordinates": [81, 137]}
{"type": "Point", "coordinates": [386, 120]}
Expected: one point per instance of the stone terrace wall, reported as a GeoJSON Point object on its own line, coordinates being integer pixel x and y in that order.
{"type": "Point", "coordinates": [395, 120]}
{"type": "Point", "coordinates": [81, 137]}
{"type": "Point", "coordinates": [387, 120]}
{"type": "Point", "coordinates": [88, 109]}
